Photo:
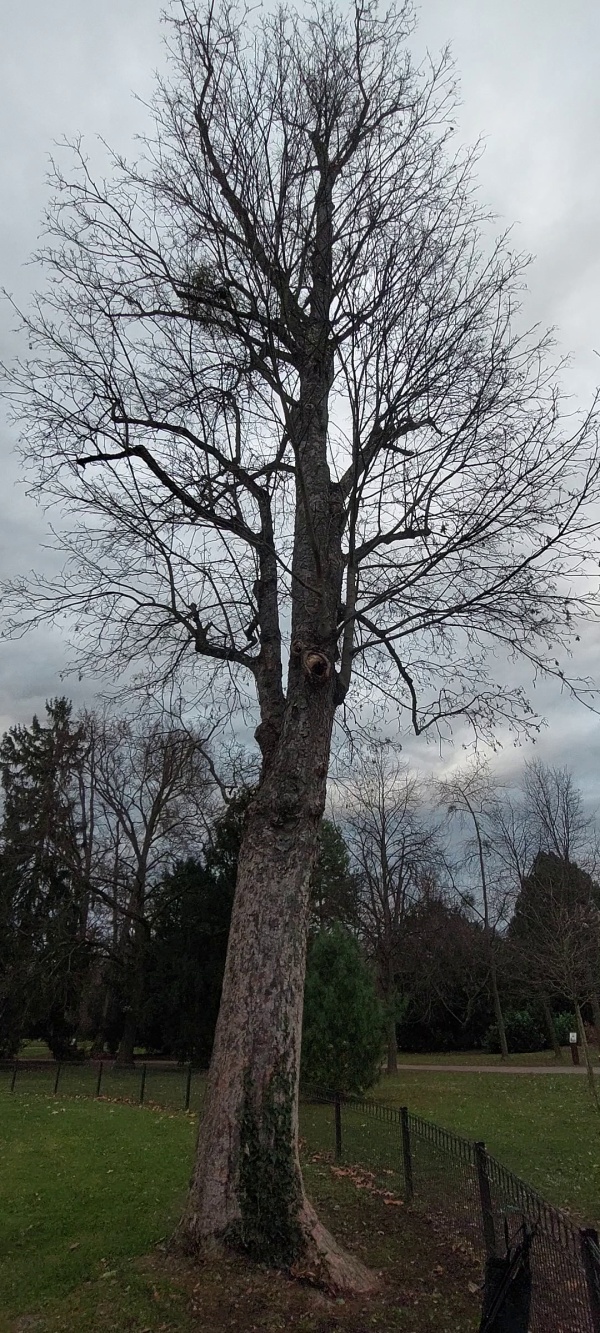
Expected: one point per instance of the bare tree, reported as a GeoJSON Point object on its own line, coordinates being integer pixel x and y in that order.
{"type": "Point", "coordinates": [514, 836]}
{"type": "Point", "coordinates": [557, 815]}
{"type": "Point", "coordinates": [154, 795]}
{"type": "Point", "coordinates": [471, 794]}
{"type": "Point", "coordinates": [555, 936]}
{"type": "Point", "coordinates": [443, 964]}
{"type": "Point", "coordinates": [561, 826]}
{"type": "Point", "coordinates": [277, 374]}
{"type": "Point", "coordinates": [392, 847]}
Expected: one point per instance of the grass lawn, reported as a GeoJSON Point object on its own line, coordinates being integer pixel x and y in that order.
{"type": "Point", "coordinates": [545, 1058]}
{"type": "Point", "coordinates": [545, 1129]}
{"type": "Point", "coordinates": [88, 1189]}
{"type": "Point", "coordinates": [82, 1182]}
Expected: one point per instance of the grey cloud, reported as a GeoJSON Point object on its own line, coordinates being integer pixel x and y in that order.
{"type": "Point", "coordinates": [529, 85]}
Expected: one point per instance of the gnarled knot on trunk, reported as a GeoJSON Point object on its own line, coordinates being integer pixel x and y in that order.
{"type": "Point", "coordinates": [315, 664]}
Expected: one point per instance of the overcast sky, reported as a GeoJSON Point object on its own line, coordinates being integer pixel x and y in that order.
{"type": "Point", "coordinates": [529, 76]}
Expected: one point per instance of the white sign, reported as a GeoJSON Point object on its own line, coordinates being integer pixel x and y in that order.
{"type": "Point", "coordinates": [573, 1038]}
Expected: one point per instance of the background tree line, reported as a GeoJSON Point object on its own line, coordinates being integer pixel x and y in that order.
{"type": "Point", "coordinates": [448, 919]}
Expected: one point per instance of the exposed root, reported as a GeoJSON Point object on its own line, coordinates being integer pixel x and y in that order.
{"type": "Point", "coordinates": [328, 1265]}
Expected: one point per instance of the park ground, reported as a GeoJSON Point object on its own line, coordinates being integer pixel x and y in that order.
{"type": "Point", "coordinates": [89, 1191]}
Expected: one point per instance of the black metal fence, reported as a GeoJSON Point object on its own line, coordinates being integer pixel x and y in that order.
{"type": "Point", "coordinates": [470, 1196]}
{"type": "Point", "coordinates": [153, 1082]}
{"type": "Point", "coordinates": [455, 1182]}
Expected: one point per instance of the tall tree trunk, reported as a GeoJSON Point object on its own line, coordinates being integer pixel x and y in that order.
{"type": "Point", "coordinates": [550, 1027]}
{"type": "Point", "coordinates": [135, 996]}
{"type": "Point", "coordinates": [497, 1006]}
{"type": "Point", "coordinates": [392, 1044]}
{"type": "Point", "coordinates": [125, 1056]}
{"type": "Point", "coordinates": [596, 1016]}
{"type": "Point", "coordinates": [247, 1184]}
{"type": "Point", "coordinates": [591, 1078]}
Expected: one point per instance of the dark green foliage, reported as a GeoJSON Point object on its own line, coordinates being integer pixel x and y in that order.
{"type": "Point", "coordinates": [523, 1033]}
{"type": "Point", "coordinates": [269, 1185]}
{"type": "Point", "coordinates": [186, 955]}
{"type": "Point", "coordinates": [343, 1032]}
{"type": "Point", "coordinates": [550, 883]}
{"type": "Point", "coordinates": [333, 887]}
{"type": "Point", "coordinates": [443, 978]}
{"type": "Point", "coordinates": [44, 953]}
{"type": "Point", "coordinates": [564, 1023]}
{"type": "Point", "coordinates": [185, 962]}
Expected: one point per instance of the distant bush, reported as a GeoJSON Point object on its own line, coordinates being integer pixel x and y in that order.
{"type": "Point", "coordinates": [343, 1032]}
{"type": "Point", "coordinates": [523, 1033]}
{"type": "Point", "coordinates": [564, 1023]}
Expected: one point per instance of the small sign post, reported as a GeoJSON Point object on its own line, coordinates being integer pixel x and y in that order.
{"type": "Point", "coordinates": [574, 1044]}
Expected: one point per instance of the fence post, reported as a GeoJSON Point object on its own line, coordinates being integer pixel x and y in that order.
{"type": "Point", "coordinates": [406, 1155]}
{"type": "Point", "coordinates": [337, 1108]}
{"type": "Point", "coordinates": [99, 1079]}
{"type": "Point", "coordinates": [143, 1083]}
{"type": "Point", "coordinates": [487, 1213]}
{"type": "Point", "coordinates": [59, 1067]}
{"type": "Point", "coordinates": [589, 1243]}
{"type": "Point", "coordinates": [188, 1087]}
{"type": "Point", "coordinates": [14, 1076]}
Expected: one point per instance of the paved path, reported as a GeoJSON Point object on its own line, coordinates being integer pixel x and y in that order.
{"type": "Point", "coordinates": [495, 1069]}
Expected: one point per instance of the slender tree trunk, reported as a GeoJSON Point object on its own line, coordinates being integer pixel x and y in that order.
{"type": "Point", "coordinates": [125, 1056]}
{"type": "Point", "coordinates": [247, 1185]}
{"type": "Point", "coordinates": [591, 1078]}
{"type": "Point", "coordinates": [498, 1007]}
{"type": "Point", "coordinates": [135, 995]}
{"type": "Point", "coordinates": [489, 933]}
{"type": "Point", "coordinates": [596, 1016]}
{"type": "Point", "coordinates": [392, 1044]}
{"type": "Point", "coordinates": [550, 1027]}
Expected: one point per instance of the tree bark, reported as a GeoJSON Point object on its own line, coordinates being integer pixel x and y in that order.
{"type": "Point", "coordinates": [498, 1007]}
{"type": "Point", "coordinates": [596, 1016]}
{"type": "Point", "coordinates": [551, 1029]}
{"type": "Point", "coordinates": [125, 1057]}
{"type": "Point", "coordinates": [591, 1077]}
{"type": "Point", "coordinates": [392, 1045]}
{"type": "Point", "coordinates": [247, 1184]}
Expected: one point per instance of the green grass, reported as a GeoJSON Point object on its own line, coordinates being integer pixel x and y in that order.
{"type": "Point", "coordinates": [82, 1182]}
{"type": "Point", "coordinates": [545, 1058]}
{"type": "Point", "coordinates": [544, 1128]}
{"type": "Point", "coordinates": [88, 1188]}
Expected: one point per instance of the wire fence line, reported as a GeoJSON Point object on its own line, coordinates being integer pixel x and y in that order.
{"type": "Point", "coordinates": [468, 1194]}
{"type": "Point", "coordinates": [463, 1190]}
{"type": "Point", "coordinates": [174, 1086]}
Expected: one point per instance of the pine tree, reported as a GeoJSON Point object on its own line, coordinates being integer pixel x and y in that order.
{"type": "Point", "coordinates": [43, 893]}
{"type": "Point", "coordinates": [343, 1032]}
